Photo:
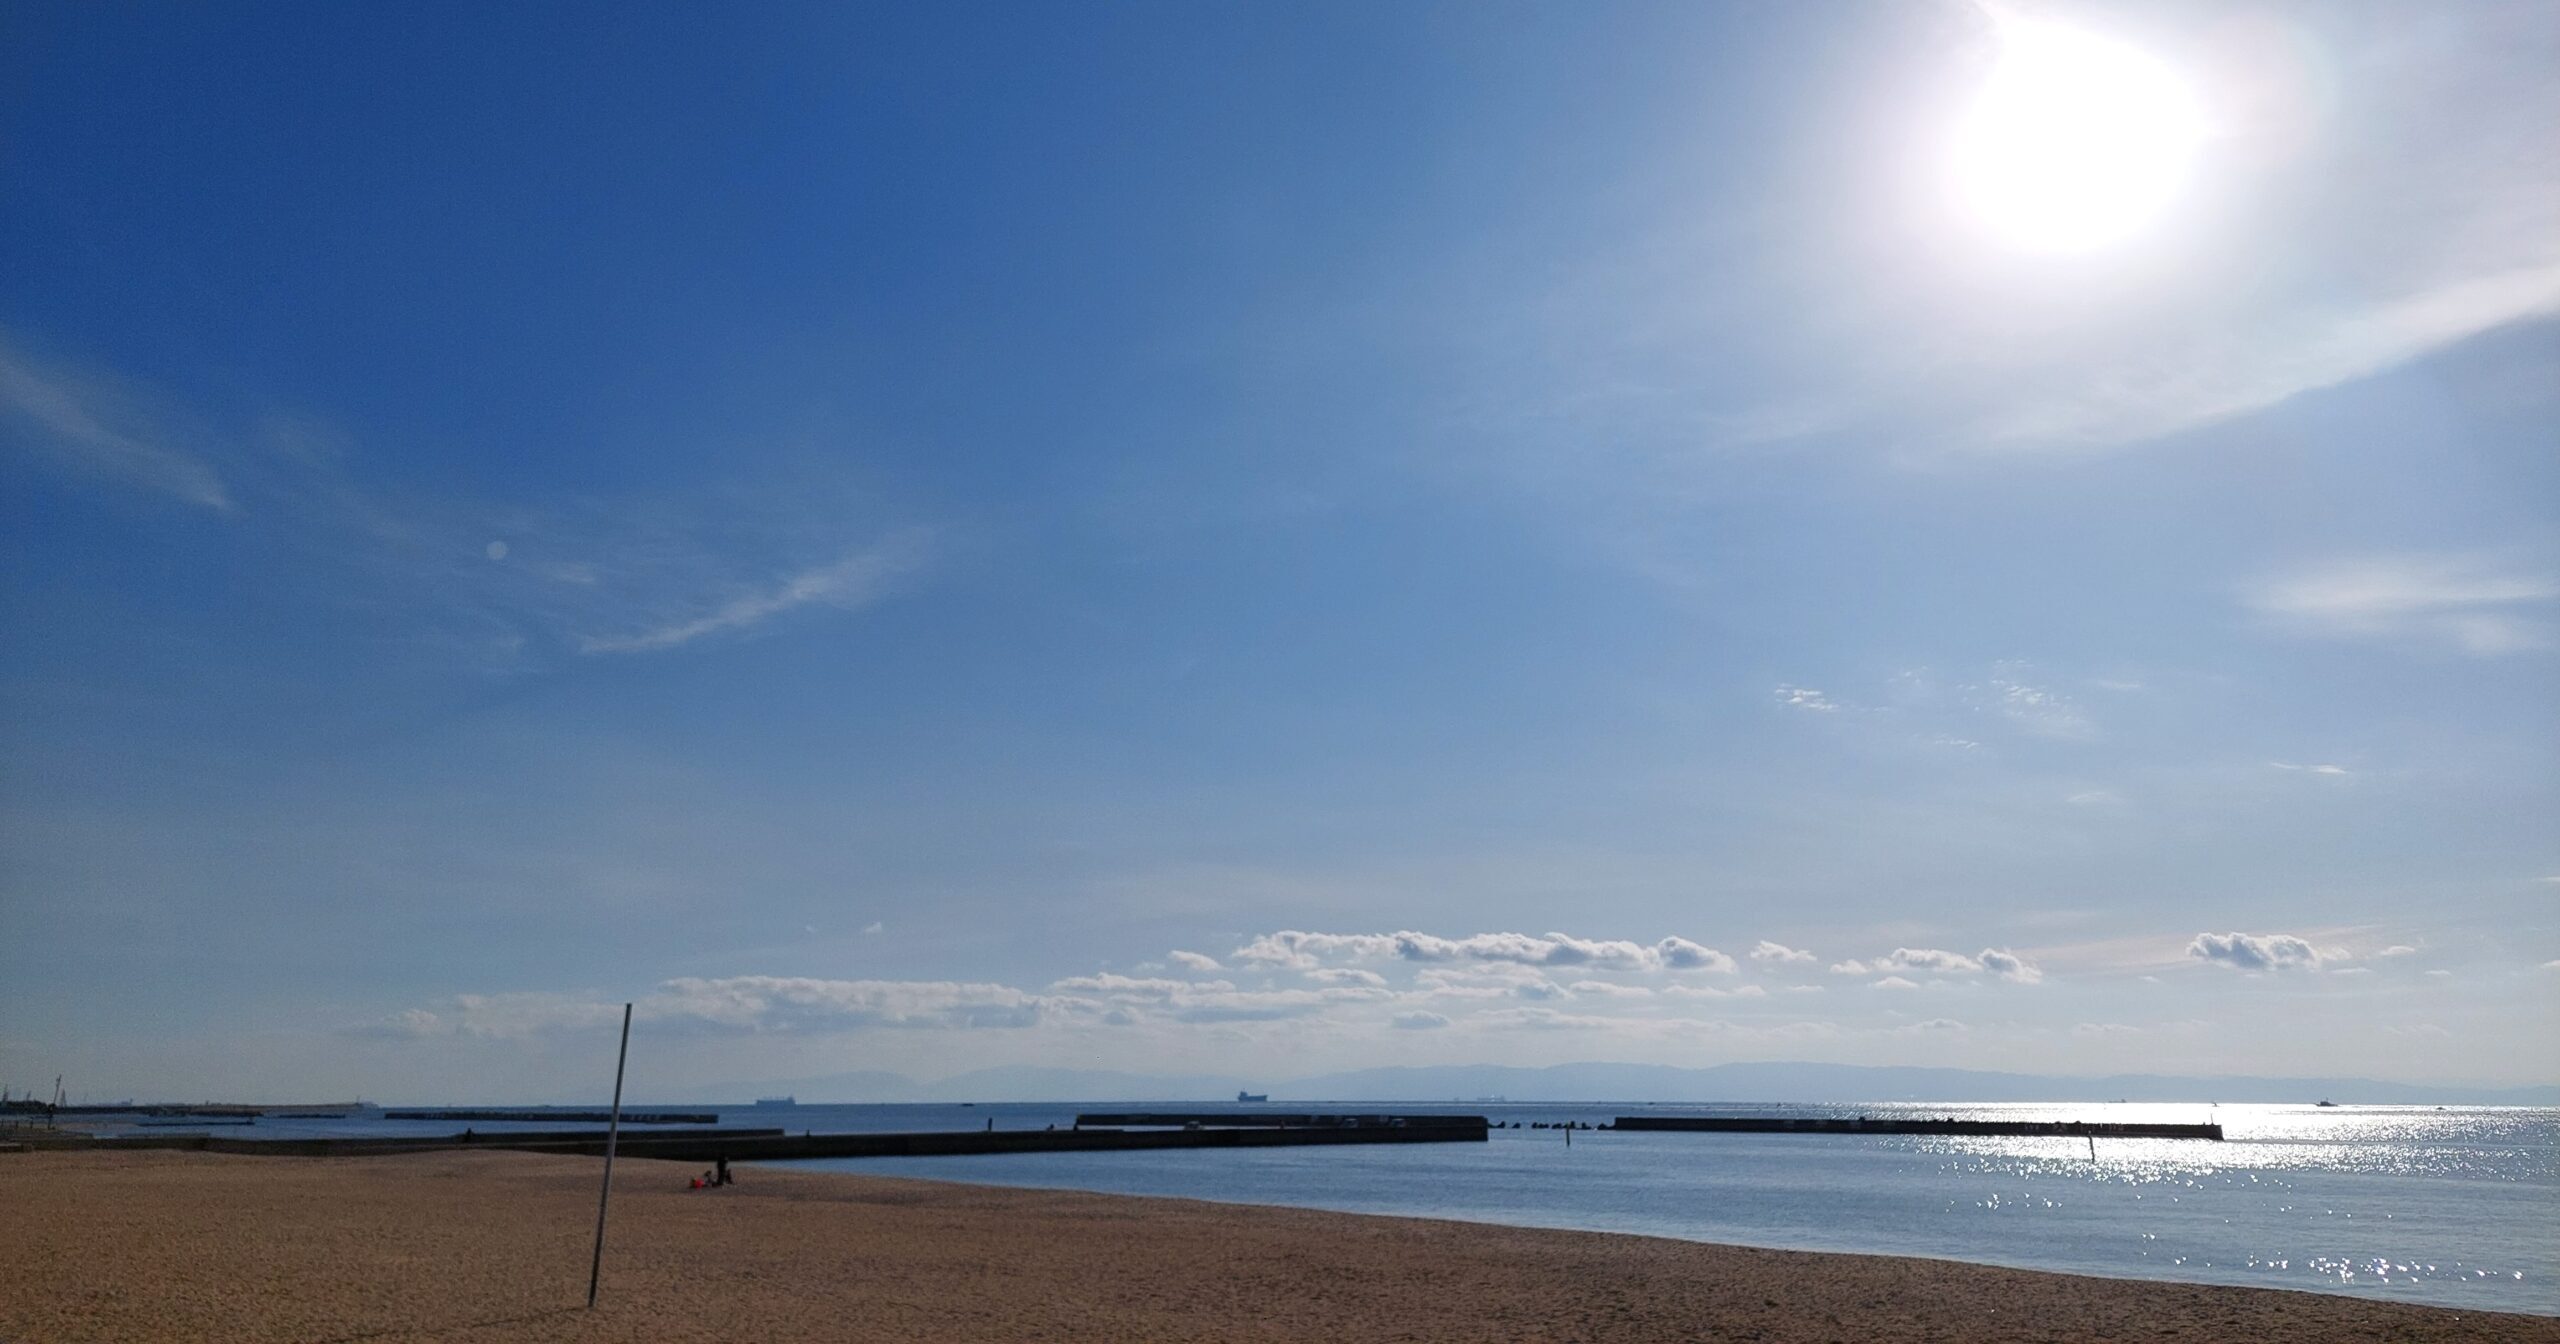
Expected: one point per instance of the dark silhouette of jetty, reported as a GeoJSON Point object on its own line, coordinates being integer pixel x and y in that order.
{"type": "Point", "coordinates": [2067, 1129]}
{"type": "Point", "coordinates": [1268, 1120]}
{"type": "Point", "coordinates": [486, 1114]}
{"type": "Point", "coordinates": [210, 1110]}
{"type": "Point", "coordinates": [774, 1145]}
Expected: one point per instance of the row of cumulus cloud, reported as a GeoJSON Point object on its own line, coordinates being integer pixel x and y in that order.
{"type": "Point", "coordinates": [1469, 976]}
{"type": "Point", "coordinates": [1302, 974]}
{"type": "Point", "coordinates": [1311, 953]}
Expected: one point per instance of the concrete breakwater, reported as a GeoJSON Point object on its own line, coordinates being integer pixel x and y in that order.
{"type": "Point", "coordinates": [379, 1146]}
{"type": "Point", "coordinates": [211, 1108]}
{"type": "Point", "coordinates": [704, 1148]}
{"type": "Point", "coordinates": [562, 1117]}
{"type": "Point", "coordinates": [2066, 1129]}
{"type": "Point", "coordinates": [1267, 1120]}
{"type": "Point", "coordinates": [774, 1145]}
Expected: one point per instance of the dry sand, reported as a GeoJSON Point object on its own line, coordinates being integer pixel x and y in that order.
{"type": "Point", "coordinates": [494, 1246]}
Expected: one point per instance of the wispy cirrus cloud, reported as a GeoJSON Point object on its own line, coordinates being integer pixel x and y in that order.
{"type": "Point", "coordinates": [2008, 697]}
{"type": "Point", "coordinates": [500, 583]}
{"type": "Point", "coordinates": [848, 583]}
{"type": "Point", "coordinates": [2413, 210]}
{"type": "Point", "coordinates": [91, 425]}
{"type": "Point", "coordinates": [1805, 697]}
{"type": "Point", "coordinates": [2035, 709]}
{"type": "Point", "coordinates": [2475, 604]}
{"type": "Point", "coordinates": [2207, 377]}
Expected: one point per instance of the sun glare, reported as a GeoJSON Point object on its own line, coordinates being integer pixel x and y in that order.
{"type": "Point", "coordinates": [2076, 141]}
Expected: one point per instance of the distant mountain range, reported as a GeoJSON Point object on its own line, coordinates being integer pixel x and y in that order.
{"type": "Point", "coordinates": [1621, 1082]}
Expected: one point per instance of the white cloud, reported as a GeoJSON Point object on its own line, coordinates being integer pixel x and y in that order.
{"type": "Point", "coordinates": [1418, 1021]}
{"type": "Point", "coordinates": [1298, 949]}
{"type": "Point", "coordinates": [2201, 378]}
{"type": "Point", "coordinates": [1713, 992]}
{"type": "Point", "coordinates": [1503, 973]}
{"type": "Point", "coordinates": [1347, 975]}
{"type": "Point", "coordinates": [761, 1001]}
{"type": "Point", "coordinates": [2009, 966]}
{"type": "Point", "coordinates": [2479, 605]}
{"type": "Point", "coordinates": [1268, 1005]}
{"type": "Point", "coordinates": [1194, 961]}
{"type": "Point", "coordinates": [1893, 982]}
{"type": "Point", "coordinates": [410, 1024]}
{"type": "Point", "coordinates": [1805, 697]}
{"type": "Point", "coordinates": [1779, 954]}
{"type": "Point", "coordinates": [1548, 1019]}
{"type": "Point", "coordinates": [88, 425]}
{"type": "Point", "coordinates": [743, 1003]}
{"type": "Point", "coordinates": [1928, 959]}
{"type": "Point", "coordinates": [1999, 962]}
{"type": "Point", "coordinates": [2255, 951]}
{"type": "Point", "coordinates": [2036, 709]}
{"type": "Point", "coordinates": [1122, 986]}
{"type": "Point", "coordinates": [850, 582]}
{"type": "Point", "coordinates": [1680, 954]}
{"type": "Point", "coordinates": [499, 583]}
{"type": "Point", "coordinates": [2397, 950]}
{"type": "Point", "coordinates": [1607, 990]}
{"type": "Point", "coordinates": [2417, 209]}
{"type": "Point", "coordinates": [527, 1013]}
{"type": "Point", "coordinates": [1456, 989]}
{"type": "Point", "coordinates": [2335, 771]}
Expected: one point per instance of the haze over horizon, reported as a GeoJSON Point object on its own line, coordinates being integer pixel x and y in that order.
{"type": "Point", "coordinates": [1274, 541]}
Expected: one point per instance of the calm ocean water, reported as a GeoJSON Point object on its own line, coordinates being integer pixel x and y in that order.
{"type": "Point", "coordinates": [2457, 1207]}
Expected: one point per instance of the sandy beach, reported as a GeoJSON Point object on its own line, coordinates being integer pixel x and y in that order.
{"type": "Point", "coordinates": [494, 1247]}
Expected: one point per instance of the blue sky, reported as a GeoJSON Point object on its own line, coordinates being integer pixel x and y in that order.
{"type": "Point", "coordinates": [1153, 537]}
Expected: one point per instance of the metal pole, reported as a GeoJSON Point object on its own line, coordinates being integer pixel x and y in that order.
{"type": "Point", "coordinates": [612, 1136]}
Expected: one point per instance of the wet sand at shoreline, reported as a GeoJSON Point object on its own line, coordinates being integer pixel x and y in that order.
{"type": "Point", "coordinates": [494, 1247]}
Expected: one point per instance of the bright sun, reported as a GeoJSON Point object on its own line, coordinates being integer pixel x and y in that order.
{"type": "Point", "coordinates": [2075, 141]}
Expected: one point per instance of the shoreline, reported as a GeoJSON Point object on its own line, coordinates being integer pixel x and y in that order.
{"type": "Point", "coordinates": [494, 1246]}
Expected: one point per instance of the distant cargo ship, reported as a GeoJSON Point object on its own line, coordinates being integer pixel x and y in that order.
{"type": "Point", "coordinates": [777, 1101]}
{"type": "Point", "coordinates": [1253, 1096]}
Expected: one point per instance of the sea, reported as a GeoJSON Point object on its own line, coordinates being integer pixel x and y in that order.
{"type": "Point", "coordinates": [2453, 1206]}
